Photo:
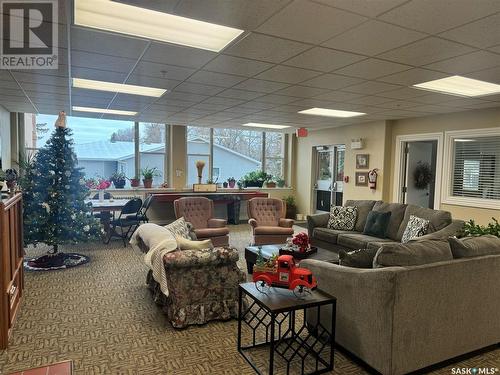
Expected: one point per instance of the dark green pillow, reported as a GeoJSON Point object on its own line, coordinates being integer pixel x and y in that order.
{"type": "Point", "coordinates": [377, 223]}
{"type": "Point", "coordinates": [362, 258]}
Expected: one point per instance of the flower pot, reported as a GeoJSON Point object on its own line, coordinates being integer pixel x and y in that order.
{"type": "Point", "coordinates": [291, 212]}
{"type": "Point", "coordinates": [135, 182]}
{"type": "Point", "coordinates": [119, 184]}
{"type": "Point", "coordinates": [271, 185]}
{"type": "Point", "coordinates": [148, 183]}
{"type": "Point", "coordinates": [224, 184]}
{"type": "Point", "coordinates": [232, 184]}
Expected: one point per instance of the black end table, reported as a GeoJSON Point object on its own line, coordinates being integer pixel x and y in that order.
{"type": "Point", "coordinates": [269, 250]}
{"type": "Point", "coordinates": [271, 319]}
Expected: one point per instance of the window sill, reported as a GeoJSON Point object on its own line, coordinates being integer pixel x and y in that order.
{"type": "Point", "coordinates": [493, 204]}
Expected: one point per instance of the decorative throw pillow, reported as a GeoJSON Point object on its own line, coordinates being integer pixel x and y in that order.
{"type": "Point", "coordinates": [342, 217]}
{"type": "Point", "coordinates": [416, 227]}
{"type": "Point", "coordinates": [184, 244]}
{"type": "Point", "coordinates": [179, 228]}
{"type": "Point", "coordinates": [362, 258]}
{"type": "Point", "coordinates": [377, 223]}
{"type": "Point", "coordinates": [468, 247]}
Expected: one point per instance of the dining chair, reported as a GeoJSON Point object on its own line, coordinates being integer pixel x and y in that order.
{"type": "Point", "coordinates": [127, 219]}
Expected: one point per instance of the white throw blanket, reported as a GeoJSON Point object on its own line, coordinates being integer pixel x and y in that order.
{"type": "Point", "coordinates": [160, 241]}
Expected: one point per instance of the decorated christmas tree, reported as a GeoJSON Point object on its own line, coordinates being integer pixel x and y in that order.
{"type": "Point", "coordinates": [54, 192]}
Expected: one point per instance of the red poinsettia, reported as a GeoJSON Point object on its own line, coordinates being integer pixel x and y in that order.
{"type": "Point", "coordinates": [302, 241]}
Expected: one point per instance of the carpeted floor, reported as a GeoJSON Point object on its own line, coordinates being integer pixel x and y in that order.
{"type": "Point", "coordinates": [101, 316]}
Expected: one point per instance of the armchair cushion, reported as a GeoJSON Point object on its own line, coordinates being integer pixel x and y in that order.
{"type": "Point", "coordinates": [217, 223]}
{"type": "Point", "coordinates": [286, 223]}
{"type": "Point", "coordinates": [273, 230]}
{"type": "Point", "coordinates": [211, 232]}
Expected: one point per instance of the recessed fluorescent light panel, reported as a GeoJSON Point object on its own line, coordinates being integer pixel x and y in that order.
{"type": "Point", "coordinates": [150, 24]}
{"type": "Point", "coordinates": [117, 87]}
{"type": "Point", "coordinates": [330, 112]}
{"type": "Point", "coordinates": [103, 110]}
{"type": "Point", "coordinates": [460, 86]}
{"type": "Point", "coordinates": [268, 126]}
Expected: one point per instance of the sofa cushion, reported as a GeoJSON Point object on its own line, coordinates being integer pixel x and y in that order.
{"type": "Point", "coordinates": [437, 219]}
{"type": "Point", "coordinates": [362, 258]}
{"type": "Point", "coordinates": [364, 207]}
{"type": "Point", "coordinates": [416, 227]}
{"type": "Point", "coordinates": [273, 230]}
{"type": "Point", "coordinates": [474, 246]}
{"type": "Point", "coordinates": [397, 211]}
{"type": "Point", "coordinates": [377, 224]}
{"type": "Point", "coordinates": [375, 245]}
{"type": "Point", "coordinates": [327, 235]}
{"type": "Point", "coordinates": [342, 217]}
{"type": "Point", "coordinates": [355, 240]}
{"type": "Point", "coordinates": [211, 232]}
{"type": "Point", "coordinates": [413, 253]}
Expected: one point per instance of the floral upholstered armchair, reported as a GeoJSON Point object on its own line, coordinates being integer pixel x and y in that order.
{"type": "Point", "coordinates": [267, 218]}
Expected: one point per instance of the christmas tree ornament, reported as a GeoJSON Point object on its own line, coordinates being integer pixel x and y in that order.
{"type": "Point", "coordinates": [61, 120]}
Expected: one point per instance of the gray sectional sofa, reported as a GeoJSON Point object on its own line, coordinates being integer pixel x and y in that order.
{"type": "Point", "coordinates": [406, 317]}
{"type": "Point", "coordinates": [441, 225]}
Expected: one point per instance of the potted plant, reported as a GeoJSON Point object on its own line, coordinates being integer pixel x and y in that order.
{"type": "Point", "coordinates": [148, 174]}
{"type": "Point", "coordinates": [231, 182]}
{"type": "Point", "coordinates": [135, 181]}
{"type": "Point", "coordinates": [255, 179]}
{"type": "Point", "coordinates": [241, 184]}
{"type": "Point", "coordinates": [280, 182]}
{"type": "Point", "coordinates": [11, 178]}
{"type": "Point", "coordinates": [291, 208]}
{"type": "Point", "coordinates": [270, 183]}
{"type": "Point", "coordinates": [118, 179]}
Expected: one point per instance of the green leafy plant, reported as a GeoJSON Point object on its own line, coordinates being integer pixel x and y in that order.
{"type": "Point", "coordinates": [280, 182]}
{"type": "Point", "coordinates": [255, 178]}
{"type": "Point", "coordinates": [150, 173]}
{"type": "Point", "coordinates": [290, 201]}
{"type": "Point", "coordinates": [473, 229]}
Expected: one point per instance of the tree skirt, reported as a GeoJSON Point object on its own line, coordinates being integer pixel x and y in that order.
{"type": "Point", "coordinates": [57, 261]}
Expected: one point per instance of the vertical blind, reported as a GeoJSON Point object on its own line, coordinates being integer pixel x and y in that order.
{"type": "Point", "coordinates": [476, 167]}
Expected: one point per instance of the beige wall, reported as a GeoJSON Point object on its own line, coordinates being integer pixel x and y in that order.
{"type": "Point", "coordinates": [374, 136]}
{"type": "Point", "coordinates": [5, 135]}
{"type": "Point", "coordinates": [477, 119]}
{"type": "Point", "coordinates": [179, 155]}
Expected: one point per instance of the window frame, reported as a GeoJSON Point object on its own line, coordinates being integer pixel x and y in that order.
{"type": "Point", "coordinates": [449, 160]}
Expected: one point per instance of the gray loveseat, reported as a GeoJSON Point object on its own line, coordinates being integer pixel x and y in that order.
{"type": "Point", "coordinates": [441, 225]}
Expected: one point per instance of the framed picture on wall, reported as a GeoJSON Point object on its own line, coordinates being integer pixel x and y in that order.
{"type": "Point", "coordinates": [361, 178]}
{"type": "Point", "coordinates": [362, 161]}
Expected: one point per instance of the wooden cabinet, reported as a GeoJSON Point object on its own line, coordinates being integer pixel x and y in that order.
{"type": "Point", "coordinates": [11, 264]}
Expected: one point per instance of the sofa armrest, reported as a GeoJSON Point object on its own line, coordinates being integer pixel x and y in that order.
{"type": "Point", "coordinates": [319, 220]}
{"type": "Point", "coordinates": [200, 258]}
{"type": "Point", "coordinates": [454, 229]}
{"type": "Point", "coordinates": [286, 223]}
{"type": "Point", "coordinates": [252, 222]}
{"type": "Point", "coordinates": [217, 223]}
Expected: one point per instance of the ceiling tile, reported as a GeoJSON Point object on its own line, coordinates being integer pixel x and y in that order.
{"type": "Point", "coordinates": [150, 69]}
{"type": "Point", "coordinates": [323, 59]}
{"type": "Point", "coordinates": [260, 85]}
{"type": "Point", "coordinates": [103, 96]}
{"type": "Point", "coordinates": [495, 49]}
{"type": "Point", "coordinates": [215, 79]}
{"type": "Point", "coordinates": [309, 22]}
{"type": "Point", "coordinates": [371, 87]}
{"type": "Point", "coordinates": [136, 79]}
{"type": "Point", "coordinates": [413, 76]}
{"type": "Point", "coordinates": [403, 93]}
{"type": "Point", "coordinates": [196, 88]}
{"type": "Point", "coordinates": [398, 104]}
{"type": "Point", "coordinates": [433, 17]}
{"type": "Point", "coordinates": [366, 8]}
{"type": "Point", "coordinates": [341, 96]}
{"type": "Point", "coordinates": [432, 98]}
{"type": "Point", "coordinates": [480, 33]}
{"type": "Point", "coordinates": [243, 14]}
{"type": "Point", "coordinates": [301, 91]}
{"type": "Point", "coordinates": [266, 48]}
{"type": "Point", "coordinates": [275, 99]}
{"type": "Point", "coordinates": [433, 108]}
{"type": "Point", "coordinates": [426, 51]}
{"type": "Point", "coordinates": [98, 75]}
{"type": "Point", "coordinates": [224, 101]}
{"type": "Point", "coordinates": [185, 96]}
{"type": "Point", "coordinates": [239, 94]}
{"type": "Point", "coordinates": [471, 62]}
{"type": "Point", "coordinates": [97, 61]}
{"type": "Point", "coordinates": [287, 74]}
{"type": "Point", "coordinates": [28, 77]}
{"type": "Point", "coordinates": [372, 68]}
{"type": "Point", "coordinates": [373, 37]}
{"type": "Point", "coordinates": [9, 84]}
{"type": "Point", "coordinates": [236, 65]}
{"type": "Point", "coordinates": [166, 6]}
{"type": "Point", "coordinates": [331, 81]}
{"type": "Point", "coordinates": [177, 55]}
{"type": "Point", "coordinates": [369, 100]}
{"type": "Point", "coordinates": [489, 75]}
{"type": "Point", "coordinates": [105, 43]}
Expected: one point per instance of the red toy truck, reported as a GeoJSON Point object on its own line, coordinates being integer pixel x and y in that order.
{"type": "Point", "coordinates": [284, 274]}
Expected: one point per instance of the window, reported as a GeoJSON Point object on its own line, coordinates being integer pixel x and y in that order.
{"type": "Point", "coordinates": [236, 152]}
{"type": "Point", "coordinates": [198, 149]}
{"type": "Point", "coordinates": [102, 147]}
{"type": "Point", "coordinates": [474, 173]}
{"type": "Point", "coordinates": [274, 156]}
{"type": "Point", "coordinates": [152, 150]}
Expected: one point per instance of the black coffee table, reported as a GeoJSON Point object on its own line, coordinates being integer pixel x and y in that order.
{"type": "Point", "coordinates": [270, 325]}
{"type": "Point", "coordinates": [269, 250]}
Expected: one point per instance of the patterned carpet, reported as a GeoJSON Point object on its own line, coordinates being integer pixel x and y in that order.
{"type": "Point", "coordinates": [101, 316]}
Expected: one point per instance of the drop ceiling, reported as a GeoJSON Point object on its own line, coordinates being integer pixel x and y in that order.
{"type": "Point", "coordinates": [352, 55]}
